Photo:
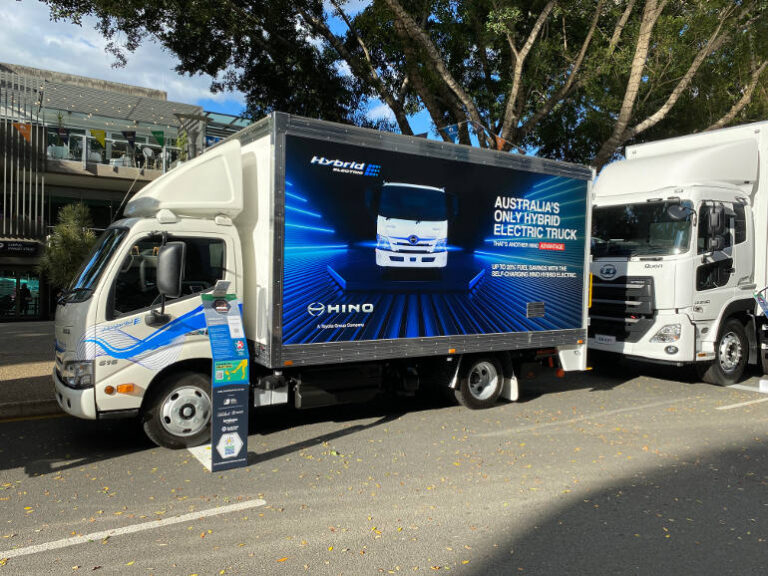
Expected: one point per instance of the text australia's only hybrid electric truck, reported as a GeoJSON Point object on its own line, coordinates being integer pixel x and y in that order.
{"type": "Point", "coordinates": [280, 212]}
{"type": "Point", "coordinates": [679, 237]}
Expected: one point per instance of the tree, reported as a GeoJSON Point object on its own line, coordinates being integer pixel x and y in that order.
{"type": "Point", "coordinates": [68, 245]}
{"type": "Point", "coordinates": [574, 80]}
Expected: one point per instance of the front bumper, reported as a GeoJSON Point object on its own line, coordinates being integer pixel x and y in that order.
{"type": "Point", "coordinates": [406, 259]}
{"type": "Point", "coordinates": [79, 403]}
{"type": "Point", "coordinates": [681, 351]}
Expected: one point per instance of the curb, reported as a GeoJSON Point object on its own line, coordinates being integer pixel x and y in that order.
{"type": "Point", "coordinates": [29, 408]}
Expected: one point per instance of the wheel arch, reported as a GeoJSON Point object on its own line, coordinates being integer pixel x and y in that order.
{"type": "Point", "coordinates": [201, 365]}
{"type": "Point", "coordinates": [743, 311]}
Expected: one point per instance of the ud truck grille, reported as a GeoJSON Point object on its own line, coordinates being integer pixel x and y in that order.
{"type": "Point", "coordinates": [623, 308]}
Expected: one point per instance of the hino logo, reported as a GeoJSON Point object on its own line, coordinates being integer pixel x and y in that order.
{"type": "Point", "coordinates": [318, 308]}
{"type": "Point", "coordinates": [608, 271]}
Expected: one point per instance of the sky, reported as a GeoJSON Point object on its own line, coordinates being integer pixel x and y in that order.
{"type": "Point", "coordinates": [29, 38]}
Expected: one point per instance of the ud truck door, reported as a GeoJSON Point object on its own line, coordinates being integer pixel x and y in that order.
{"type": "Point", "coordinates": [719, 257]}
{"type": "Point", "coordinates": [130, 345]}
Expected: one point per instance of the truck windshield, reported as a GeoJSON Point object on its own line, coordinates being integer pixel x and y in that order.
{"type": "Point", "coordinates": [639, 230]}
{"type": "Point", "coordinates": [411, 203]}
{"type": "Point", "coordinates": [85, 280]}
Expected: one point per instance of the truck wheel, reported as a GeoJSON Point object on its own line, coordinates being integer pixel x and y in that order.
{"type": "Point", "coordinates": [731, 351]}
{"type": "Point", "coordinates": [178, 413]}
{"type": "Point", "coordinates": [480, 383]}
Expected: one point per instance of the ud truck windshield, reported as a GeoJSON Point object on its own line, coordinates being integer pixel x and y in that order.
{"type": "Point", "coordinates": [282, 212]}
{"type": "Point", "coordinates": [646, 229]}
{"type": "Point", "coordinates": [412, 226]}
{"type": "Point", "coordinates": [679, 253]}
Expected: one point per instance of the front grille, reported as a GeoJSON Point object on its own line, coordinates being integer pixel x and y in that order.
{"type": "Point", "coordinates": [623, 308]}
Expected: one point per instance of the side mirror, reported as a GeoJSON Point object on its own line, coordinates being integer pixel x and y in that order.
{"type": "Point", "coordinates": [170, 273]}
{"type": "Point", "coordinates": [715, 243]}
{"type": "Point", "coordinates": [716, 222]}
{"type": "Point", "coordinates": [170, 268]}
{"type": "Point", "coordinates": [678, 212]}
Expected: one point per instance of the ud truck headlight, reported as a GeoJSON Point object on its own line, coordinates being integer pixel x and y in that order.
{"type": "Point", "coordinates": [668, 333]}
{"type": "Point", "coordinates": [382, 242]}
{"type": "Point", "coordinates": [441, 245]}
{"type": "Point", "coordinates": [78, 374]}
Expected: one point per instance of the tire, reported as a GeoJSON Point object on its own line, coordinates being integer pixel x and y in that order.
{"type": "Point", "coordinates": [480, 382]}
{"type": "Point", "coordinates": [731, 353]}
{"type": "Point", "coordinates": [178, 412]}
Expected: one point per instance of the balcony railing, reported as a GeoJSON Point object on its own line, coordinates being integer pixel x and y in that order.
{"type": "Point", "coordinates": [88, 150]}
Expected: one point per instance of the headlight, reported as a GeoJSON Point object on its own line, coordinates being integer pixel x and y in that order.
{"type": "Point", "coordinates": [78, 374]}
{"type": "Point", "coordinates": [668, 333]}
{"type": "Point", "coordinates": [441, 245]}
{"type": "Point", "coordinates": [382, 242]}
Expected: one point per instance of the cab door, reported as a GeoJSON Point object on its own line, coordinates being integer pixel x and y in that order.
{"type": "Point", "coordinates": [719, 260]}
{"type": "Point", "coordinates": [128, 346]}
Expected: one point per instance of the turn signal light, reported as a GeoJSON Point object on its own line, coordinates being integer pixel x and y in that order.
{"type": "Point", "coordinates": [109, 390]}
{"type": "Point", "coordinates": [451, 350]}
{"type": "Point", "coordinates": [125, 388]}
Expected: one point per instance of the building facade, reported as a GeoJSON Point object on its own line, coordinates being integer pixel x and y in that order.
{"type": "Point", "coordinates": [66, 139]}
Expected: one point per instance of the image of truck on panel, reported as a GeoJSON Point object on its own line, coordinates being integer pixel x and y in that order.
{"type": "Point", "coordinates": [412, 226]}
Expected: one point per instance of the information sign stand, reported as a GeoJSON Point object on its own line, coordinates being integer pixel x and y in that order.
{"type": "Point", "coordinates": [229, 379]}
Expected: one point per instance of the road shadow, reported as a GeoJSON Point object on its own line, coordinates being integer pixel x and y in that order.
{"type": "Point", "coordinates": [49, 445]}
{"type": "Point", "coordinates": [706, 516]}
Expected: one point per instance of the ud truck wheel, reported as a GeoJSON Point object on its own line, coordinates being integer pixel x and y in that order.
{"type": "Point", "coordinates": [480, 382]}
{"type": "Point", "coordinates": [178, 413]}
{"type": "Point", "coordinates": [731, 351]}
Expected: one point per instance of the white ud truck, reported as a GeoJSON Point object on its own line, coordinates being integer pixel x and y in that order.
{"type": "Point", "coordinates": [281, 211]}
{"type": "Point", "coordinates": [679, 235]}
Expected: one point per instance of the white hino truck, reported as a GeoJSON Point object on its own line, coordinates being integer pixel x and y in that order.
{"type": "Point", "coordinates": [679, 235]}
{"type": "Point", "coordinates": [282, 211]}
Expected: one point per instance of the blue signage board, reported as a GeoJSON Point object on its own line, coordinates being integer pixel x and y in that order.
{"type": "Point", "coordinates": [230, 381]}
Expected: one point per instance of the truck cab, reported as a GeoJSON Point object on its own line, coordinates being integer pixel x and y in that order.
{"type": "Point", "coordinates": [673, 258]}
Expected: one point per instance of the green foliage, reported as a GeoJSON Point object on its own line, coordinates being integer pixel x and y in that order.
{"type": "Point", "coordinates": [68, 245]}
{"type": "Point", "coordinates": [303, 57]}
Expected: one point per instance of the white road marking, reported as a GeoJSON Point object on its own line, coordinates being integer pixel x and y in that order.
{"type": "Point", "coordinates": [151, 525]}
{"type": "Point", "coordinates": [581, 418]}
{"type": "Point", "coordinates": [744, 387]}
{"type": "Point", "coordinates": [203, 454]}
{"type": "Point", "coordinates": [740, 404]}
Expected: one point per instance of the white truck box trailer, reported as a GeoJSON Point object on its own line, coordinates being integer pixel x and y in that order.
{"type": "Point", "coordinates": [288, 212]}
{"type": "Point", "coordinates": [679, 237]}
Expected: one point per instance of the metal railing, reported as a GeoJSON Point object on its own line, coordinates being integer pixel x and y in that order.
{"type": "Point", "coordinates": [88, 150]}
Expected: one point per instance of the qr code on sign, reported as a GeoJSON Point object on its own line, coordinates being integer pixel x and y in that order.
{"type": "Point", "coordinates": [219, 374]}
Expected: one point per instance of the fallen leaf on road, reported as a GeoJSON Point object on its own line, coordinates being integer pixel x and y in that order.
{"type": "Point", "coordinates": [283, 559]}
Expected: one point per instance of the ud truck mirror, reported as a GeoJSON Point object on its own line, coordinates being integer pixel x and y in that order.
{"type": "Point", "coordinates": [170, 273]}
{"type": "Point", "coordinates": [678, 212]}
{"type": "Point", "coordinates": [715, 243]}
{"type": "Point", "coordinates": [716, 220]}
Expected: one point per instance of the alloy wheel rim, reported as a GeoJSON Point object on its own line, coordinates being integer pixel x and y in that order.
{"type": "Point", "coordinates": [186, 411]}
{"type": "Point", "coordinates": [483, 380]}
{"type": "Point", "coordinates": [730, 352]}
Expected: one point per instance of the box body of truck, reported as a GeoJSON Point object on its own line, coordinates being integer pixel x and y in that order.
{"type": "Point", "coordinates": [679, 249]}
{"type": "Point", "coordinates": [289, 212]}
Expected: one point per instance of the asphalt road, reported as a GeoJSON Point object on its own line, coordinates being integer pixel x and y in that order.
{"type": "Point", "coordinates": [625, 470]}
